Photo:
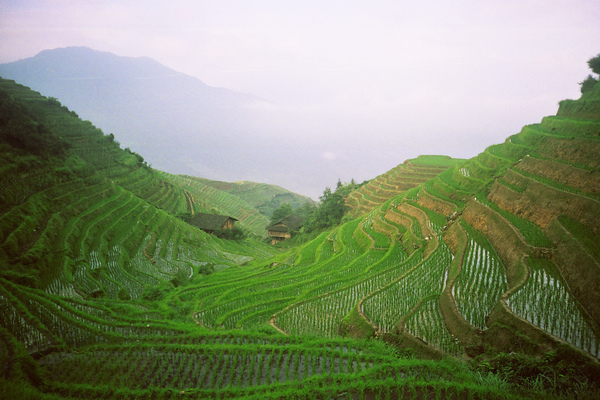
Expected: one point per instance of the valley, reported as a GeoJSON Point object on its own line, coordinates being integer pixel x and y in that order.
{"type": "Point", "coordinates": [446, 279]}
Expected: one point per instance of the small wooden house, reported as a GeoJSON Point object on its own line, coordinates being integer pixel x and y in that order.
{"type": "Point", "coordinates": [283, 229]}
{"type": "Point", "coordinates": [212, 223]}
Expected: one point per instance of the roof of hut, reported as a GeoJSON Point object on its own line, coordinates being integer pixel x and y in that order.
{"type": "Point", "coordinates": [212, 222]}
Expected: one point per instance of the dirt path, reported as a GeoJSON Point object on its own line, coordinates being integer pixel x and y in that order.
{"type": "Point", "coordinates": [145, 252]}
{"type": "Point", "coordinates": [190, 201]}
{"type": "Point", "coordinates": [274, 325]}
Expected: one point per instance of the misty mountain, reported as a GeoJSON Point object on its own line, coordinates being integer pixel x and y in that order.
{"type": "Point", "coordinates": [177, 122]}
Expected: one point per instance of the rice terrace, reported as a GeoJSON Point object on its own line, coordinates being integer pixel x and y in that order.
{"type": "Point", "coordinates": [439, 279]}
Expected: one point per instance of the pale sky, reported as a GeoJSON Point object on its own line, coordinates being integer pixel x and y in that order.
{"type": "Point", "coordinates": [379, 81]}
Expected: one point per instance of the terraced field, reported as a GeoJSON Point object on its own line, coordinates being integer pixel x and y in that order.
{"type": "Point", "coordinates": [204, 198]}
{"type": "Point", "coordinates": [105, 293]}
{"type": "Point", "coordinates": [405, 176]}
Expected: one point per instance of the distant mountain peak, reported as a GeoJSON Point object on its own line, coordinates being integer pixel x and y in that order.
{"type": "Point", "coordinates": [177, 122]}
{"type": "Point", "coordinates": [81, 62]}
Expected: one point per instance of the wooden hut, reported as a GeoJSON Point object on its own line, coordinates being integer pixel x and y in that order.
{"type": "Point", "coordinates": [284, 229]}
{"type": "Point", "coordinates": [212, 223]}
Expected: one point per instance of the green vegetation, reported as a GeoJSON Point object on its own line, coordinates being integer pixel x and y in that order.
{"type": "Point", "coordinates": [441, 278]}
{"type": "Point", "coordinates": [481, 282]}
{"type": "Point", "coordinates": [545, 301]}
{"type": "Point", "coordinates": [439, 161]}
{"type": "Point", "coordinates": [330, 210]}
{"type": "Point", "coordinates": [264, 198]}
{"type": "Point", "coordinates": [405, 177]}
{"type": "Point", "coordinates": [281, 212]}
{"type": "Point", "coordinates": [589, 83]}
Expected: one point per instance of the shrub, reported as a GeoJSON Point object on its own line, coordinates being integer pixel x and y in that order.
{"type": "Point", "coordinates": [594, 64]}
{"type": "Point", "coordinates": [153, 294]}
{"type": "Point", "coordinates": [588, 84]}
{"type": "Point", "coordinates": [123, 294]}
{"type": "Point", "coordinates": [231, 234]}
{"type": "Point", "coordinates": [206, 269]}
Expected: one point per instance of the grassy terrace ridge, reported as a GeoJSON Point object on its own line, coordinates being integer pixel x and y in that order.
{"type": "Point", "coordinates": [437, 160]}
{"type": "Point", "coordinates": [448, 279]}
{"type": "Point", "coordinates": [404, 177]}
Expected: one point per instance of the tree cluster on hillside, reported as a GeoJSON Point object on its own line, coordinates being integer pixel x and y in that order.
{"type": "Point", "coordinates": [21, 130]}
{"type": "Point", "coordinates": [327, 213]}
{"type": "Point", "coordinates": [590, 82]}
{"type": "Point", "coordinates": [139, 158]}
{"type": "Point", "coordinates": [280, 213]}
{"type": "Point", "coordinates": [231, 234]}
{"type": "Point", "coordinates": [331, 208]}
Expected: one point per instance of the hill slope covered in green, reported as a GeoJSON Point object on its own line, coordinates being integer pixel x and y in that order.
{"type": "Point", "coordinates": [79, 209]}
{"type": "Point", "coordinates": [264, 197]}
{"type": "Point", "coordinates": [489, 266]}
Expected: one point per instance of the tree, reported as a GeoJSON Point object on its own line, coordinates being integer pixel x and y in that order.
{"type": "Point", "coordinates": [588, 84]}
{"type": "Point", "coordinates": [231, 234]}
{"type": "Point", "coordinates": [281, 212]}
{"type": "Point", "coordinates": [54, 101]}
{"type": "Point", "coordinates": [594, 64]}
{"type": "Point", "coordinates": [331, 209]}
{"type": "Point", "coordinates": [308, 212]}
{"type": "Point", "coordinates": [20, 129]}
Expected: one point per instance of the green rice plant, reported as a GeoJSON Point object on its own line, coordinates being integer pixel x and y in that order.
{"type": "Point", "coordinates": [132, 287]}
{"type": "Point", "coordinates": [412, 194]}
{"type": "Point", "coordinates": [143, 264]}
{"type": "Point", "coordinates": [434, 187]}
{"type": "Point", "coordinates": [518, 187]}
{"type": "Point", "coordinates": [308, 253]}
{"type": "Point", "coordinates": [22, 324]}
{"type": "Point", "coordinates": [495, 162]}
{"type": "Point", "coordinates": [534, 136]}
{"type": "Point", "coordinates": [387, 306]}
{"type": "Point", "coordinates": [427, 323]}
{"type": "Point", "coordinates": [457, 190]}
{"type": "Point", "coordinates": [415, 227]}
{"type": "Point", "coordinates": [379, 240]}
{"type": "Point", "coordinates": [362, 239]}
{"type": "Point", "coordinates": [436, 160]}
{"type": "Point", "coordinates": [470, 184]}
{"type": "Point", "coordinates": [545, 301]}
{"type": "Point", "coordinates": [481, 282]}
{"type": "Point", "coordinates": [381, 225]}
{"type": "Point", "coordinates": [323, 314]}
{"type": "Point", "coordinates": [435, 221]}
{"type": "Point", "coordinates": [483, 168]}
{"type": "Point", "coordinates": [352, 269]}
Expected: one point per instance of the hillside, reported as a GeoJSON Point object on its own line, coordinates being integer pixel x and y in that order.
{"type": "Point", "coordinates": [75, 213]}
{"type": "Point", "coordinates": [263, 197]}
{"type": "Point", "coordinates": [489, 266]}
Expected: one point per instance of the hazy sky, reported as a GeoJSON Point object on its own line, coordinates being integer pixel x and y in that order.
{"type": "Point", "coordinates": [370, 83]}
